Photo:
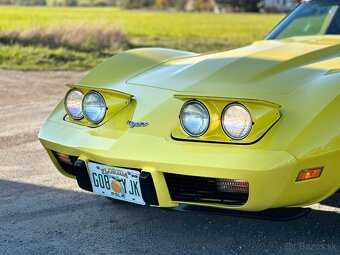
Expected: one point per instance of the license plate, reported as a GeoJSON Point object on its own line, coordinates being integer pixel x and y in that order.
{"type": "Point", "coordinates": [116, 182]}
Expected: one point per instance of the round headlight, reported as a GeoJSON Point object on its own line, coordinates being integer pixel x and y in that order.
{"type": "Point", "coordinates": [94, 107]}
{"type": "Point", "coordinates": [236, 121]}
{"type": "Point", "coordinates": [194, 118]}
{"type": "Point", "coordinates": [73, 104]}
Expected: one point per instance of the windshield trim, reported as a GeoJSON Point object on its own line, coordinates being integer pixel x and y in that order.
{"type": "Point", "coordinates": [276, 31]}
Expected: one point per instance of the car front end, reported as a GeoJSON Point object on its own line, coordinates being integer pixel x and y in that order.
{"type": "Point", "coordinates": [247, 129]}
{"type": "Point", "coordinates": [284, 158]}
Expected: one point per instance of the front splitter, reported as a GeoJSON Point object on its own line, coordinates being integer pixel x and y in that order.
{"type": "Point", "coordinates": [278, 214]}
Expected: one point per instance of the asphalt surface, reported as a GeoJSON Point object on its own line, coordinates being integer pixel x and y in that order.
{"type": "Point", "coordinates": [42, 212]}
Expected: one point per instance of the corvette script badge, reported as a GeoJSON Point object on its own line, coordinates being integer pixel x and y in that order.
{"type": "Point", "coordinates": [133, 124]}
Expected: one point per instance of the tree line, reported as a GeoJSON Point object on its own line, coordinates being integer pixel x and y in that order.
{"type": "Point", "coordinates": [180, 5]}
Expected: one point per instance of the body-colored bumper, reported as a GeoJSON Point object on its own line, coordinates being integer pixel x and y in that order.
{"type": "Point", "coordinates": [271, 174]}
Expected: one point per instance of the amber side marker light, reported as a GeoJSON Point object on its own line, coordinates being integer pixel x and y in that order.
{"type": "Point", "coordinates": [308, 174]}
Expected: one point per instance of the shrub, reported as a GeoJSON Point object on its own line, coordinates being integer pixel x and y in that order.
{"type": "Point", "coordinates": [28, 2]}
{"type": "Point", "coordinates": [65, 2]}
{"type": "Point", "coordinates": [71, 2]}
{"type": "Point", "coordinates": [204, 5]}
{"type": "Point", "coordinates": [5, 2]}
{"type": "Point", "coordinates": [164, 4]}
{"type": "Point", "coordinates": [241, 5]}
{"type": "Point", "coordinates": [134, 4]}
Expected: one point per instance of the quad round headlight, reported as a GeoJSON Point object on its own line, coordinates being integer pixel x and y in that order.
{"type": "Point", "coordinates": [236, 121]}
{"type": "Point", "coordinates": [73, 104]}
{"type": "Point", "coordinates": [94, 107]}
{"type": "Point", "coordinates": [194, 118]}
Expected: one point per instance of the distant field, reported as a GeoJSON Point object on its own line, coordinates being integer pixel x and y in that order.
{"type": "Point", "coordinates": [199, 32]}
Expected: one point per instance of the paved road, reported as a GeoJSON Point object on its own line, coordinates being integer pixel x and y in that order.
{"type": "Point", "coordinates": [42, 212]}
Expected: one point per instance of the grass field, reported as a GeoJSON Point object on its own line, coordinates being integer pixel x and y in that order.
{"type": "Point", "coordinates": [199, 32]}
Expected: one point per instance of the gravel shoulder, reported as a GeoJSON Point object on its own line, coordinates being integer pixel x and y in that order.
{"type": "Point", "coordinates": [42, 212]}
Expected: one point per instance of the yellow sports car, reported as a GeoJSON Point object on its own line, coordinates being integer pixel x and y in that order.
{"type": "Point", "coordinates": [247, 129]}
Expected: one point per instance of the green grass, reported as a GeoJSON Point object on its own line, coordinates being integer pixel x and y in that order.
{"type": "Point", "coordinates": [43, 58]}
{"type": "Point", "coordinates": [199, 32]}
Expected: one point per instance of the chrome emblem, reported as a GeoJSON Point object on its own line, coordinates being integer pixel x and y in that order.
{"type": "Point", "coordinates": [133, 124]}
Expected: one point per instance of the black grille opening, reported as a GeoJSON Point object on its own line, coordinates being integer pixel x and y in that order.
{"type": "Point", "coordinates": [207, 190]}
{"type": "Point", "coordinates": [66, 162]}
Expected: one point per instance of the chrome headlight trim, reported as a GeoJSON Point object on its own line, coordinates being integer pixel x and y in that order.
{"type": "Point", "coordinates": [84, 105]}
{"type": "Point", "coordinates": [223, 116]}
{"type": "Point", "coordinates": [81, 104]}
{"type": "Point", "coordinates": [194, 101]}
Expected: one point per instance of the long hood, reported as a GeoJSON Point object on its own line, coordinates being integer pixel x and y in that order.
{"type": "Point", "coordinates": [274, 68]}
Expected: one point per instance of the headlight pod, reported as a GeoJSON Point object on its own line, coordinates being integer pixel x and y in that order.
{"type": "Point", "coordinates": [73, 104]}
{"type": "Point", "coordinates": [94, 107]}
{"type": "Point", "coordinates": [194, 118]}
{"type": "Point", "coordinates": [236, 121]}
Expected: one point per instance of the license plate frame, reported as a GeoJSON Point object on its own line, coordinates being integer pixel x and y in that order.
{"type": "Point", "coordinates": [116, 182]}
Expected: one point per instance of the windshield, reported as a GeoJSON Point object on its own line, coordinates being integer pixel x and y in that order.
{"type": "Point", "coordinates": [310, 18]}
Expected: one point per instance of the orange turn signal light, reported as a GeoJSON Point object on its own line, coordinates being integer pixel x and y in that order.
{"type": "Point", "coordinates": [308, 174]}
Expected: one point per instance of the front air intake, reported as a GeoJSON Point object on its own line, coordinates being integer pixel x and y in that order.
{"type": "Point", "coordinates": [207, 190]}
{"type": "Point", "coordinates": [66, 162]}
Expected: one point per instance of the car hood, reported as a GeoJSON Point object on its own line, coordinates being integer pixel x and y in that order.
{"type": "Point", "coordinates": [275, 68]}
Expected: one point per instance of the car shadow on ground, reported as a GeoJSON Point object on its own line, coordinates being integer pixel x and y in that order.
{"type": "Point", "coordinates": [36, 219]}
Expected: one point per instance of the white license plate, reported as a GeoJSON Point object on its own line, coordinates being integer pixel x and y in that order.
{"type": "Point", "coordinates": [116, 182]}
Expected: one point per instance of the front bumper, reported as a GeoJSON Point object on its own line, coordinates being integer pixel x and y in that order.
{"type": "Point", "coordinates": [271, 174]}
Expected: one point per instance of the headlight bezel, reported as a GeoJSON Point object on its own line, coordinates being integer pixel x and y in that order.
{"type": "Point", "coordinates": [105, 106]}
{"type": "Point", "coordinates": [226, 108]}
{"type": "Point", "coordinates": [81, 104]}
{"type": "Point", "coordinates": [194, 101]}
